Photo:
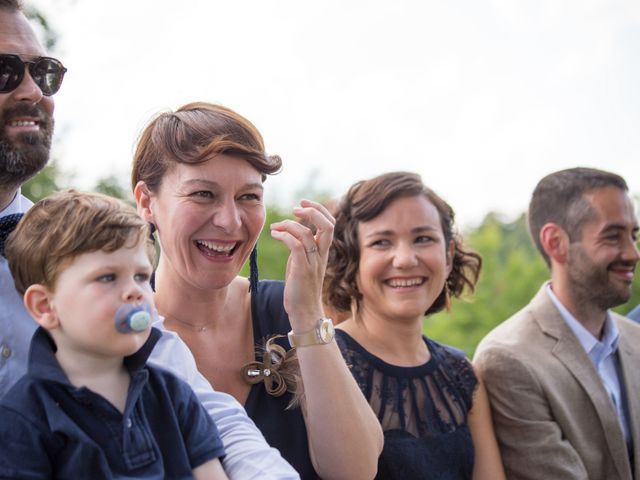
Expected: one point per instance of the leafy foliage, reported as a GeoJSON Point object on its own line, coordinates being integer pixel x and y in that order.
{"type": "Point", "coordinates": [272, 254]}
{"type": "Point", "coordinates": [113, 187]}
{"type": "Point", "coordinates": [50, 179]}
{"type": "Point", "coordinates": [513, 271]}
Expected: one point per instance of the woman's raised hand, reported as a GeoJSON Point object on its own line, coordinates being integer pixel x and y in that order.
{"type": "Point", "coordinates": [308, 240]}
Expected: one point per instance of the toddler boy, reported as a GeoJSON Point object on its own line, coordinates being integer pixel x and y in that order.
{"type": "Point", "coordinates": [89, 406]}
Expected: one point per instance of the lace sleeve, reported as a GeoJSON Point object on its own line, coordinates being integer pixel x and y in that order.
{"type": "Point", "coordinates": [462, 373]}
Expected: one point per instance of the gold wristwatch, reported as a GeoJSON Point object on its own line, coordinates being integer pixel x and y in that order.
{"type": "Point", "coordinates": [322, 334]}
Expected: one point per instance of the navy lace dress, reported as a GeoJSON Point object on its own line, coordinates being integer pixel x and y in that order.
{"type": "Point", "coordinates": [423, 411]}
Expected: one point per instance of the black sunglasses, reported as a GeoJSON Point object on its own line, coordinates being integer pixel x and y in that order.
{"type": "Point", "coordinates": [47, 73]}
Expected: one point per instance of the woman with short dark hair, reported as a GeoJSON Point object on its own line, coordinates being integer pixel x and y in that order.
{"type": "Point", "coordinates": [395, 258]}
{"type": "Point", "coordinates": [198, 177]}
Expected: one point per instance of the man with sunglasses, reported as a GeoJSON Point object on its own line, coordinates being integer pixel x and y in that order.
{"type": "Point", "coordinates": [28, 79]}
{"type": "Point", "coordinates": [26, 126]}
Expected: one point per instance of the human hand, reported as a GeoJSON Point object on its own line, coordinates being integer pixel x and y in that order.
{"type": "Point", "coordinates": [308, 240]}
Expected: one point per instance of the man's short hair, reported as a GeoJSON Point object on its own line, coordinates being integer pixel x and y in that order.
{"type": "Point", "coordinates": [65, 225]}
{"type": "Point", "coordinates": [559, 198]}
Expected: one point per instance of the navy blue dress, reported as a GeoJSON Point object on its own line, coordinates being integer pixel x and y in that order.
{"type": "Point", "coordinates": [283, 429]}
{"type": "Point", "coordinates": [423, 411]}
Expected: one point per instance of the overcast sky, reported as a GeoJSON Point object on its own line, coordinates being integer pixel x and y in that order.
{"type": "Point", "coordinates": [481, 97]}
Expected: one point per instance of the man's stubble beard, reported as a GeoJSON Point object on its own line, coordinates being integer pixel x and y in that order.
{"type": "Point", "coordinates": [591, 284]}
{"type": "Point", "coordinates": [24, 155]}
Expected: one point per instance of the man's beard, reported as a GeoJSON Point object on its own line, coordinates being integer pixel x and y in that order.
{"type": "Point", "coordinates": [591, 283]}
{"type": "Point", "coordinates": [25, 154]}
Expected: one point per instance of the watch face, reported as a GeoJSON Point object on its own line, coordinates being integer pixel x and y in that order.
{"type": "Point", "coordinates": [326, 330]}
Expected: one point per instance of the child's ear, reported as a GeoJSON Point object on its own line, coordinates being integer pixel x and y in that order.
{"type": "Point", "coordinates": [142, 195]}
{"type": "Point", "coordinates": [37, 301]}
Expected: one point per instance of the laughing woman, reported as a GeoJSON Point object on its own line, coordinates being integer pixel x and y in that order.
{"type": "Point", "coordinates": [395, 258]}
{"type": "Point", "coordinates": [198, 177]}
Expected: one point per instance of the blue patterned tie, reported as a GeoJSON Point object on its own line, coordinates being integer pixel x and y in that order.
{"type": "Point", "coordinates": [7, 225]}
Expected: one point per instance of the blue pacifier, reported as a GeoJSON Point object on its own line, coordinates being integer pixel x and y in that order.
{"type": "Point", "coordinates": [132, 317]}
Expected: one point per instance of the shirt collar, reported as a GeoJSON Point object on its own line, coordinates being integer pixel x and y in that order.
{"type": "Point", "coordinates": [44, 365]}
{"type": "Point", "coordinates": [19, 204]}
{"type": "Point", "coordinates": [597, 349]}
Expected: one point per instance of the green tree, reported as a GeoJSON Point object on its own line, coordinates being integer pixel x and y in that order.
{"type": "Point", "coordinates": [50, 179]}
{"type": "Point", "coordinates": [272, 254]}
{"type": "Point", "coordinates": [512, 272]}
{"type": "Point", "coordinates": [114, 187]}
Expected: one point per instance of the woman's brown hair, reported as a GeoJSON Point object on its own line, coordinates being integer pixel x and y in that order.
{"type": "Point", "coordinates": [193, 134]}
{"type": "Point", "coordinates": [364, 201]}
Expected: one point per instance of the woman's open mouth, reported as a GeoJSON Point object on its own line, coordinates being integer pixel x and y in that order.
{"type": "Point", "coordinates": [405, 282]}
{"type": "Point", "coordinates": [217, 249]}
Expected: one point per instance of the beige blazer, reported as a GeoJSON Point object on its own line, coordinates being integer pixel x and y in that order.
{"type": "Point", "coordinates": [552, 414]}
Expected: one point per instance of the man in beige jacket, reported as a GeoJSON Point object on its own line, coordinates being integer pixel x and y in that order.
{"type": "Point", "coordinates": [563, 374]}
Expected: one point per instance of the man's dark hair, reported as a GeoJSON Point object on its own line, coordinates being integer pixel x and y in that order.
{"type": "Point", "coordinates": [559, 198]}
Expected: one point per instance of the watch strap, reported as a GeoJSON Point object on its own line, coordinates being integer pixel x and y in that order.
{"type": "Point", "coordinates": [311, 337]}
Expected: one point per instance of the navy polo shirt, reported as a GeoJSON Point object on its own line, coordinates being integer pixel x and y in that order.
{"type": "Point", "coordinates": [51, 429]}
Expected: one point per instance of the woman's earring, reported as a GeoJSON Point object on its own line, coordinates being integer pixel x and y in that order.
{"type": "Point", "coordinates": [253, 270]}
{"type": "Point", "coordinates": [152, 279]}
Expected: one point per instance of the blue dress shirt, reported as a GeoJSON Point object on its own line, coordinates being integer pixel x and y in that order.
{"type": "Point", "coordinates": [16, 325]}
{"type": "Point", "coordinates": [603, 355]}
